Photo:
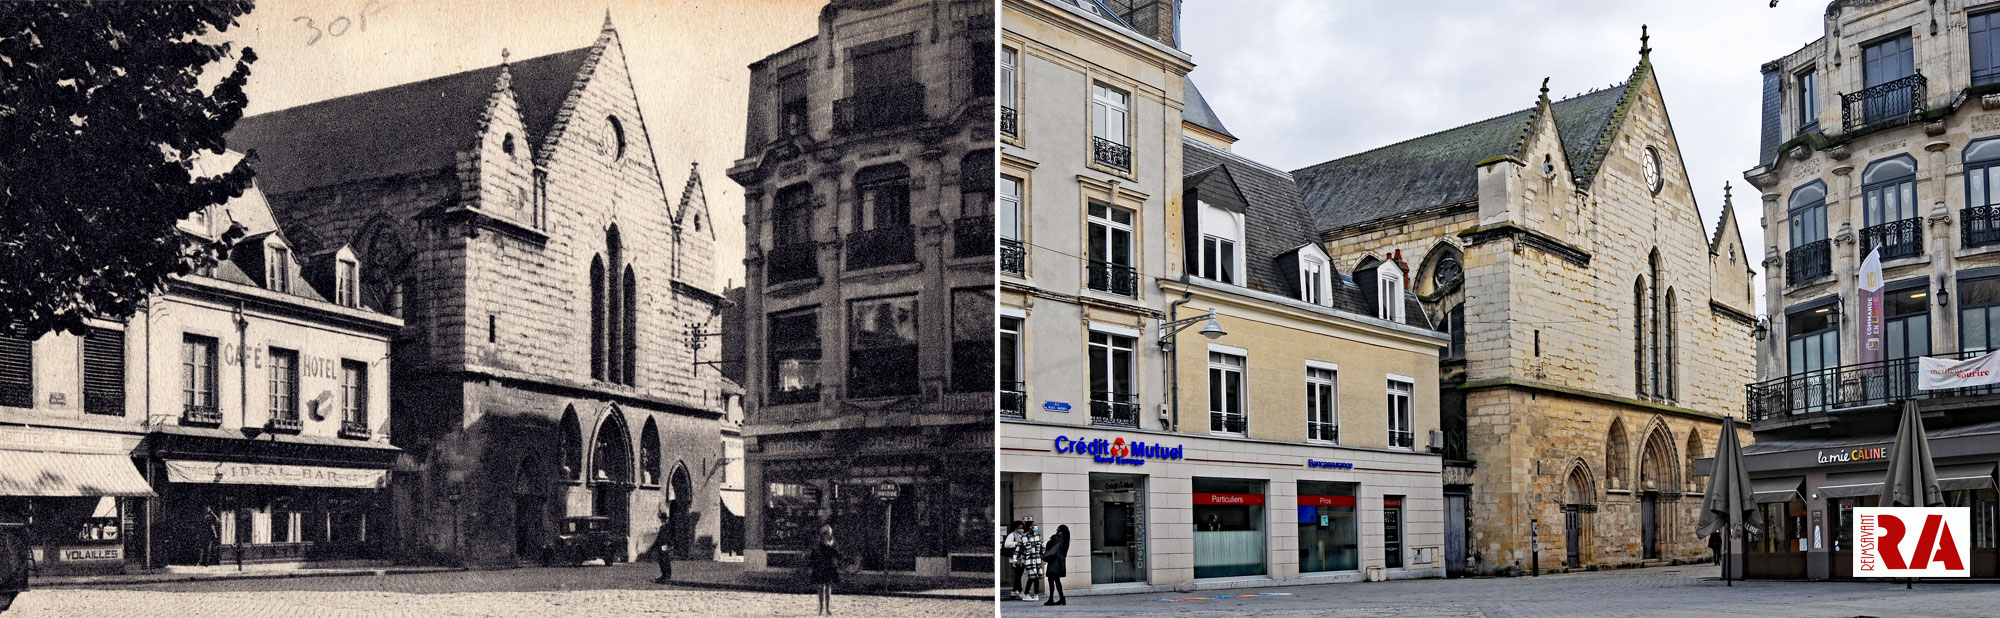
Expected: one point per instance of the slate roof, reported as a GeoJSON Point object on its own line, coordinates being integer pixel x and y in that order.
{"type": "Point", "coordinates": [1440, 169]}
{"type": "Point", "coordinates": [401, 129]}
{"type": "Point", "coordinates": [1196, 110]}
{"type": "Point", "coordinates": [1276, 222]}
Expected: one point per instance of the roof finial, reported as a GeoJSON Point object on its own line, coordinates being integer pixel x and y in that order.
{"type": "Point", "coordinates": [503, 55]}
{"type": "Point", "coordinates": [607, 18]}
{"type": "Point", "coordinates": [1645, 48]}
{"type": "Point", "coordinates": [1725, 193]}
{"type": "Point", "coordinates": [1545, 87]}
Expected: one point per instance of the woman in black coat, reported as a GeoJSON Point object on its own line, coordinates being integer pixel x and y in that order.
{"type": "Point", "coordinates": [1054, 557]}
{"type": "Point", "coordinates": [824, 566]}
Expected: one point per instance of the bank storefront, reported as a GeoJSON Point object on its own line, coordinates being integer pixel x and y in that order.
{"type": "Point", "coordinates": [1808, 490]}
{"type": "Point", "coordinates": [1149, 510]}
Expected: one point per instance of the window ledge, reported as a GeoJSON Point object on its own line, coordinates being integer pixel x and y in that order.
{"type": "Point", "coordinates": [1100, 167]}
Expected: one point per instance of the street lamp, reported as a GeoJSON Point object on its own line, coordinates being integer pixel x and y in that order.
{"type": "Point", "coordinates": [1168, 329]}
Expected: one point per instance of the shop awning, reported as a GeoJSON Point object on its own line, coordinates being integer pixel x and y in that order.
{"type": "Point", "coordinates": [182, 471]}
{"type": "Point", "coordinates": [1784, 489]}
{"type": "Point", "coordinates": [1854, 484]}
{"type": "Point", "coordinates": [74, 475]}
{"type": "Point", "coordinates": [1965, 476]}
{"type": "Point", "coordinates": [733, 502]}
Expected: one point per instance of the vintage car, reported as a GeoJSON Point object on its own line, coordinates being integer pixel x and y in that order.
{"type": "Point", "coordinates": [582, 539]}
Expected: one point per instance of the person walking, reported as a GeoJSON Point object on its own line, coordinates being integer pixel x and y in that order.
{"type": "Point", "coordinates": [1054, 560]}
{"type": "Point", "coordinates": [663, 550]}
{"type": "Point", "coordinates": [824, 563]}
{"type": "Point", "coordinates": [1028, 555]}
{"type": "Point", "coordinates": [1008, 548]}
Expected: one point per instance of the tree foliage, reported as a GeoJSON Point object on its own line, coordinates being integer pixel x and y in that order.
{"type": "Point", "coordinates": [102, 116]}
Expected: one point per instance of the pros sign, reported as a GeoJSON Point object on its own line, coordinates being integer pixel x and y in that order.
{"type": "Point", "coordinates": [1912, 542]}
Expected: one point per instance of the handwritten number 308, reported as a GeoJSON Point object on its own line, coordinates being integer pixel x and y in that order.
{"type": "Point", "coordinates": [340, 25]}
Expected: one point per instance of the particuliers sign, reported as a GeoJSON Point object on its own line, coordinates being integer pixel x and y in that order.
{"type": "Point", "coordinates": [1936, 373]}
{"type": "Point", "coordinates": [274, 474]}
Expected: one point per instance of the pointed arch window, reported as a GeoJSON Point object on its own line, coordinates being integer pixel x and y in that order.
{"type": "Point", "coordinates": [614, 314]}
{"type": "Point", "coordinates": [629, 327]}
{"type": "Point", "coordinates": [597, 307]}
{"type": "Point", "coordinates": [649, 454]}
{"type": "Point", "coordinates": [570, 433]}
{"type": "Point", "coordinates": [1617, 456]}
{"type": "Point", "coordinates": [1670, 389]}
{"type": "Point", "coordinates": [1639, 336]}
{"type": "Point", "coordinates": [1652, 301]}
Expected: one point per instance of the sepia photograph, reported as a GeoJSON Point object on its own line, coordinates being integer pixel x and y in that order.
{"type": "Point", "coordinates": [496, 308]}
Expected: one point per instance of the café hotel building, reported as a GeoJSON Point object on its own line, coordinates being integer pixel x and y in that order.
{"type": "Point", "coordinates": [1883, 135]}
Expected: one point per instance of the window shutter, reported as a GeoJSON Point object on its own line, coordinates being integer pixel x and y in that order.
{"type": "Point", "coordinates": [104, 371]}
{"type": "Point", "coordinates": [1773, 113]}
{"type": "Point", "coordinates": [17, 370]}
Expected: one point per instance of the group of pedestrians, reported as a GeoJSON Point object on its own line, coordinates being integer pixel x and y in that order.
{"type": "Point", "coordinates": [1033, 560]}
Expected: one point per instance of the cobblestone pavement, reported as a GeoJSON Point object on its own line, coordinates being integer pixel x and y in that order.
{"type": "Point", "coordinates": [1662, 591]}
{"type": "Point", "coordinates": [625, 590]}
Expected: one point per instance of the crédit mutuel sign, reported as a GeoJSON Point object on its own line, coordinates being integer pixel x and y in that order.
{"type": "Point", "coordinates": [1912, 542]}
{"type": "Point", "coordinates": [1117, 450]}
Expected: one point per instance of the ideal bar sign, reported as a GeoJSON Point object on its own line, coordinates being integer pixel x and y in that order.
{"type": "Point", "coordinates": [1117, 450]}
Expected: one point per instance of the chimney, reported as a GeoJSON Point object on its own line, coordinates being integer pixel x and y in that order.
{"type": "Point", "coordinates": [1159, 19]}
{"type": "Point", "coordinates": [1397, 257]}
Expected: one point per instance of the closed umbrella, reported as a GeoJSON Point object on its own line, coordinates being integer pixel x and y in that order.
{"type": "Point", "coordinates": [1912, 477]}
{"type": "Point", "coordinates": [1727, 506]}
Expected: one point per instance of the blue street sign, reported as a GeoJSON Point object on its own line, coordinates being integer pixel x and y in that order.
{"type": "Point", "coordinates": [1055, 406]}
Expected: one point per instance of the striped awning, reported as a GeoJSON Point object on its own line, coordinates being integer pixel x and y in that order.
{"type": "Point", "coordinates": [29, 473]}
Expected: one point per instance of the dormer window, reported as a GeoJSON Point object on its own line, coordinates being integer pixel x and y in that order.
{"type": "Point", "coordinates": [1312, 280]}
{"type": "Point", "coordinates": [1389, 293]}
{"type": "Point", "coordinates": [345, 283]}
{"type": "Point", "coordinates": [1221, 245]}
{"type": "Point", "coordinates": [278, 270]}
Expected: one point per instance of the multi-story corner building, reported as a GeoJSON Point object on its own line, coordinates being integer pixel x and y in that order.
{"type": "Point", "coordinates": [553, 289]}
{"type": "Point", "coordinates": [1595, 326]}
{"type": "Point", "coordinates": [242, 416]}
{"type": "Point", "coordinates": [1289, 448]}
{"type": "Point", "coordinates": [868, 328]}
{"type": "Point", "coordinates": [1878, 136]}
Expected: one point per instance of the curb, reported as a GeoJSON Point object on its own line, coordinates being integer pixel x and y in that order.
{"type": "Point", "coordinates": [204, 577]}
{"type": "Point", "coordinates": [798, 590]}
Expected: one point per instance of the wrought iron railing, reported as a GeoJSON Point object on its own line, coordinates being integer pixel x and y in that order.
{"type": "Point", "coordinates": [1008, 122]}
{"type": "Point", "coordinates": [881, 247]}
{"type": "Point", "coordinates": [1402, 439]}
{"type": "Point", "coordinates": [1114, 409]}
{"type": "Point", "coordinates": [1328, 432]}
{"type": "Point", "coordinates": [1823, 391]}
{"type": "Point", "coordinates": [289, 423]}
{"type": "Point", "coordinates": [791, 262]}
{"type": "Point", "coordinates": [1808, 262]}
{"type": "Point", "coordinates": [1898, 239]}
{"type": "Point", "coordinates": [192, 414]}
{"type": "Point", "coordinates": [1013, 258]}
{"type": "Point", "coordinates": [781, 396]}
{"type": "Point", "coordinates": [972, 236]}
{"type": "Point", "coordinates": [1980, 225]}
{"type": "Point", "coordinates": [355, 429]}
{"type": "Point", "coordinates": [1891, 100]}
{"type": "Point", "coordinates": [1013, 400]}
{"type": "Point", "coordinates": [1114, 278]}
{"type": "Point", "coordinates": [1111, 153]}
{"type": "Point", "coordinates": [880, 108]}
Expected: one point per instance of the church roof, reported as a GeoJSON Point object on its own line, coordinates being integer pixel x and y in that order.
{"type": "Point", "coordinates": [414, 127]}
{"type": "Point", "coordinates": [1440, 169]}
{"type": "Point", "coordinates": [1196, 111]}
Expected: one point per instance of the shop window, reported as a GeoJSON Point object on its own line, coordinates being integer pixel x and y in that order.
{"type": "Point", "coordinates": [1392, 532]}
{"type": "Point", "coordinates": [1117, 528]}
{"type": "Point", "coordinates": [1329, 532]}
{"type": "Point", "coordinates": [882, 347]}
{"type": "Point", "coordinates": [794, 343]}
{"type": "Point", "coordinates": [104, 371]}
{"type": "Point", "coordinates": [791, 515]}
{"type": "Point", "coordinates": [1229, 536]}
{"type": "Point", "coordinates": [972, 339]}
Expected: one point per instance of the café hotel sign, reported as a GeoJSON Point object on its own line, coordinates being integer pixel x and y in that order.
{"type": "Point", "coordinates": [1117, 450]}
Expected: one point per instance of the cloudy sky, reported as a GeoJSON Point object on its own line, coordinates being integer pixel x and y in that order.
{"type": "Point", "coordinates": [690, 62]}
{"type": "Point", "coordinates": [1306, 81]}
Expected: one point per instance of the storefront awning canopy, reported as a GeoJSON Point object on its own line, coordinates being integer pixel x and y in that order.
{"type": "Point", "coordinates": [1853, 484]}
{"type": "Point", "coordinates": [1965, 476]}
{"type": "Point", "coordinates": [73, 475]}
{"type": "Point", "coordinates": [1783, 489]}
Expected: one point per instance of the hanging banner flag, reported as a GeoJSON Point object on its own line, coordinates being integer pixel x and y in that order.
{"type": "Point", "coordinates": [1868, 286]}
{"type": "Point", "coordinates": [1936, 373]}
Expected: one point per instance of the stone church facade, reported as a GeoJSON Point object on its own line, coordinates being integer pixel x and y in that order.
{"type": "Point", "coordinates": [516, 220]}
{"type": "Point", "coordinates": [1599, 333]}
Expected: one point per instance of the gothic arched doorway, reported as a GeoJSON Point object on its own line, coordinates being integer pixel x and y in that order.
{"type": "Point", "coordinates": [682, 517]}
{"type": "Point", "coordinates": [611, 474]}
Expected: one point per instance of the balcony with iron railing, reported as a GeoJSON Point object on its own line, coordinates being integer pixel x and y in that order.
{"type": "Point", "coordinates": [1114, 409]}
{"type": "Point", "coordinates": [1851, 392]}
{"type": "Point", "coordinates": [1013, 258]}
{"type": "Point", "coordinates": [880, 107]}
{"type": "Point", "coordinates": [1111, 154]}
{"type": "Point", "coordinates": [192, 414]}
{"type": "Point", "coordinates": [1884, 103]}
{"type": "Point", "coordinates": [1898, 239]}
{"type": "Point", "coordinates": [355, 429]}
{"type": "Point", "coordinates": [1402, 439]}
{"type": "Point", "coordinates": [1114, 278]}
{"type": "Point", "coordinates": [972, 236]}
{"type": "Point", "coordinates": [883, 246]}
{"type": "Point", "coordinates": [1009, 122]}
{"type": "Point", "coordinates": [1979, 226]}
{"type": "Point", "coordinates": [286, 423]}
{"type": "Point", "coordinates": [1809, 261]}
{"type": "Point", "coordinates": [792, 262]}
{"type": "Point", "coordinates": [1013, 400]}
